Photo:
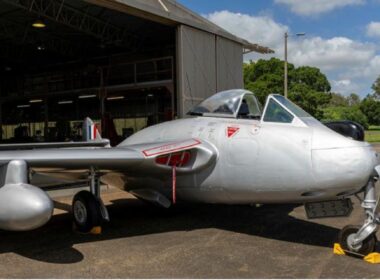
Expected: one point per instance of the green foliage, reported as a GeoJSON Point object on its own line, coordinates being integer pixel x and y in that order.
{"type": "Point", "coordinates": [310, 89]}
{"type": "Point", "coordinates": [338, 100]}
{"type": "Point", "coordinates": [353, 99]}
{"type": "Point", "coordinates": [311, 77]}
{"type": "Point", "coordinates": [356, 115]}
{"type": "Point", "coordinates": [265, 77]}
{"type": "Point", "coordinates": [265, 85]}
{"type": "Point", "coordinates": [376, 88]}
{"type": "Point", "coordinates": [370, 106]}
{"type": "Point", "coordinates": [308, 99]}
{"type": "Point", "coordinates": [373, 134]}
{"type": "Point", "coordinates": [345, 113]}
{"type": "Point", "coordinates": [307, 86]}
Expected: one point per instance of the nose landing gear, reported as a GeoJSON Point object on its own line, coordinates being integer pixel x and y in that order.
{"type": "Point", "coordinates": [361, 240]}
{"type": "Point", "coordinates": [346, 240]}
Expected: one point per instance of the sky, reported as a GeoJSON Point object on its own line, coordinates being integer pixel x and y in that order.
{"type": "Point", "coordinates": [342, 36]}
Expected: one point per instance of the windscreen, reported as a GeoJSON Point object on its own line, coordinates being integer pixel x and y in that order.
{"type": "Point", "coordinates": [276, 113]}
{"type": "Point", "coordinates": [292, 107]}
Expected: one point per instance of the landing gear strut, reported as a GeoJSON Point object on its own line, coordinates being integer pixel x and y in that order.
{"type": "Point", "coordinates": [362, 240]}
{"type": "Point", "coordinates": [88, 209]}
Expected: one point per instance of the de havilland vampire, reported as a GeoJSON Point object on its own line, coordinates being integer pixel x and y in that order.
{"type": "Point", "coordinates": [229, 151]}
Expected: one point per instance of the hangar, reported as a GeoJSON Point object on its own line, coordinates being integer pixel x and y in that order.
{"type": "Point", "coordinates": [125, 63]}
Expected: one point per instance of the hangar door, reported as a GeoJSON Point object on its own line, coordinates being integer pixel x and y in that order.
{"type": "Point", "coordinates": [207, 63]}
{"type": "Point", "coordinates": [229, 57]}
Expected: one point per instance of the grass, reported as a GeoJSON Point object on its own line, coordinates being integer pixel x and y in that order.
{"type": "Point", "coordinates": [373, 134]}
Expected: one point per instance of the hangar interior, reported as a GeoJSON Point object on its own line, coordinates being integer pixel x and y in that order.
{"type": "Point", "coordinates": [64, 60]}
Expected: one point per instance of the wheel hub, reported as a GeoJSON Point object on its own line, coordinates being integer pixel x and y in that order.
{"type": "Point", "coordinates": [80, 212]}
{"type": "Point", "coordinates": [350, 243]}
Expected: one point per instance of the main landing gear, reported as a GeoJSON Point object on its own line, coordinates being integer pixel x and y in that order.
{"type": "Point", "coordinates": [89, 212]}
{"type": "Point", "coordinates": [361, 240]}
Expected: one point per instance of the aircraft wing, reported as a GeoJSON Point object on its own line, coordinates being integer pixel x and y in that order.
{"type": "Point", "coordinates": [50, 145]}
{"type": "Point", "coordinates": [189, 155]}
{"type": "Point", "coordinates": [24, 206]}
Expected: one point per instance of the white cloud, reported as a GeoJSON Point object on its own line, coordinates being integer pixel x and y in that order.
{"type": "Point", "coordinates": [316, 7]}
{"type": "Point", "coordinates": [341, 59]}
{"type": "Point", "coordinates": [370, 69]}
{"type": "Point", "coordinates": [263, 28]}
{"type": "Point", "coordinates": [342, 83]}
{"type": "Point", "coordinates": [374, 66]}
{"type": "Point", "coordinates": [373, 29]}
{"type": "Point", "coordinates": [346, 86]}
{"type": "Point", "coordinates": [331, 54]}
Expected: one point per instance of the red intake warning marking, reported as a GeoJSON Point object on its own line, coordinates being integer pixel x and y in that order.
{"type": "Point", "coordinates": [231, 131]}
{"type": "Point", "coordinates": [171, 147]}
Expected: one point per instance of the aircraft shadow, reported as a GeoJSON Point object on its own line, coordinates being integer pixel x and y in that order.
{"type": "Point", "coordinates": [54, 242]}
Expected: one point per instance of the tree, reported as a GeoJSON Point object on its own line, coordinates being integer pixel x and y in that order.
{"type": "Point", "coordinates": [337, 100]}
{"type": "Point", "coordinates": [370, 106]}
{"type": "Point", "coordinates": [312, 77]}
{"type": "Point", "coordinates": [310, 100]}
{"type": "Point", "coordinates": [265, 77]}
{"type": "Point", "coordinates": [248, 69]}
{"type": "Point", "coordinates": [376, 88]}
{"type": "Point", "coordinates": [353, 99]}
{"type": "Point", "coordinates": [308, 87]}
{"type": "Point", "coordinates": [265, 85]}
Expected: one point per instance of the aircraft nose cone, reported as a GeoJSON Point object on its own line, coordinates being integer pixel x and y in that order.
{"type": "Point", "coordinates": [24, 207]}
{"type": "Point", "coordinates": [344, 168]}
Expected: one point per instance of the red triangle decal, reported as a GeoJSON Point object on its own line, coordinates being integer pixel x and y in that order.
{"type": "Point", "coordinates": [231, 131]}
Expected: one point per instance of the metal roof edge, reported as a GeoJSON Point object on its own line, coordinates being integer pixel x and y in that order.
{"type": "Point", "coordinates": [166, 12]}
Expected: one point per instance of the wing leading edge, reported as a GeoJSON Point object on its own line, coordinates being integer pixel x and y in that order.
{"type": "Point", "coordinates": [146, 158]}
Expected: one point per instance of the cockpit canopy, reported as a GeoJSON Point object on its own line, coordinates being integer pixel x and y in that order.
{"type": "Point", "coordinates": [231, 104]}
{"type": "Point", "coordinates": [239, 103]}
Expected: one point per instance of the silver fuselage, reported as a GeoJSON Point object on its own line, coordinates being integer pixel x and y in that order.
{"type": "Point", "coordinates": [262, 162]}
{"type": "Point", "coordinates": [224, 156]}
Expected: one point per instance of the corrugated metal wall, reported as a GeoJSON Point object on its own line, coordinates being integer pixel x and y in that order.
{"type": "Point", "coordinates": [207, 63]}
{"type": "Point", "coordinates": [229, 64]}
{"type": "Point", "coordinates": [196, 67]}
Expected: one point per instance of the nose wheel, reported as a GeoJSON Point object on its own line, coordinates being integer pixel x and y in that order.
{"type": "Point", "coordinates": [346, 240]}
{"type": "Point", "coordinates": [361, 240]}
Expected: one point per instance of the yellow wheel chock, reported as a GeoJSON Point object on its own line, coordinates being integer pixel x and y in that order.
{"type": "Point", "coordinates": [373, 258]}
{"type": "Point", "coordinates": [96, 230]}
{"type": "Point", "coordinates": [338, 250]}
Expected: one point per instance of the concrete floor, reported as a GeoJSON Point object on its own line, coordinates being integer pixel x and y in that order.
{"type": "Point", "coordinates": [190, 241]}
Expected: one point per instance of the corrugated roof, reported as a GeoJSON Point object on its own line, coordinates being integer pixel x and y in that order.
{"type": "Point", "coordinates": [172, 11]}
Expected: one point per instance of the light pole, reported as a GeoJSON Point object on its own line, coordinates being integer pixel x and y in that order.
{"type": "Point", "coordinates": [286, 35]}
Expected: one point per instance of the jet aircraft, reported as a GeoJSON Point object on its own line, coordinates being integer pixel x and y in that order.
{"type": "Point", "coordinates": [230, 151]}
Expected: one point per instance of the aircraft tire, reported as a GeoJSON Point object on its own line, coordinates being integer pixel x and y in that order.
{"type": "Point", "coordinates": [368, 245]}
{"type": "Point", "coordinates": [86, 211]}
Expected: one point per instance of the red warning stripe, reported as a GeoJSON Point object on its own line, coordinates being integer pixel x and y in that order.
{"type": "Point", "coordinates": [174, 184]}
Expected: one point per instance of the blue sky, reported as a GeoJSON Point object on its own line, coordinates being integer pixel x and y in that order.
{"type": "Point", "coordinates": [342, 36]}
